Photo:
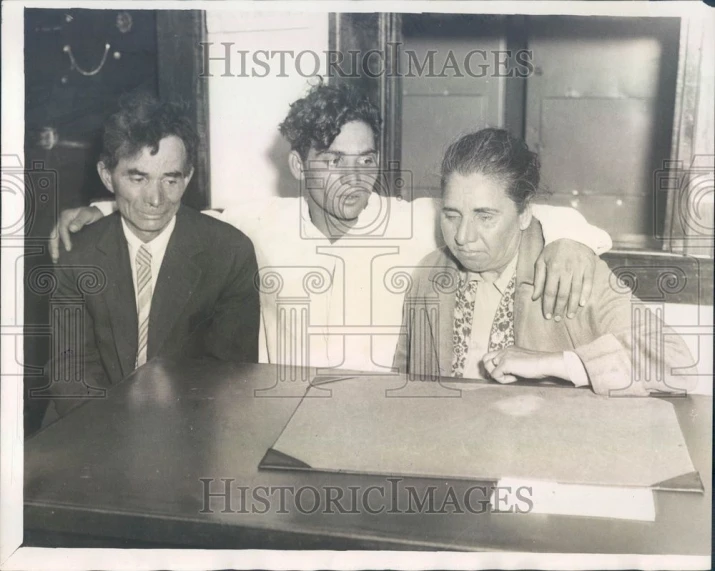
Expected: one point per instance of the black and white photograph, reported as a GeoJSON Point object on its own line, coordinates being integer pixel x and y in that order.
{"type": "Point", "coordinates": [357, 285]}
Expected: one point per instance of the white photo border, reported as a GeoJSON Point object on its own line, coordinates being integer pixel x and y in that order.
{"type": "Point", "coordinates": [14, 557]}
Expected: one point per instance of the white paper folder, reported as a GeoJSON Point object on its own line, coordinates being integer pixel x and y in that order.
{"type": "Point", "coordinates": [371, 425]}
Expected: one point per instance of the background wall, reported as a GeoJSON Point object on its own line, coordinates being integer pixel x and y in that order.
{"type": "Point", "coordinates": [599, 111]}
{"type": "Point", "coordinates": [598, 107]}
{"type": "Point", "coordinates": [436, 110]}
{"type": "Point", "coordinates": [248, 155]}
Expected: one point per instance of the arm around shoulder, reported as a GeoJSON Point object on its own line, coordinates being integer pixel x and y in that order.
{"type": "Point", "coordinates": [559, 222]}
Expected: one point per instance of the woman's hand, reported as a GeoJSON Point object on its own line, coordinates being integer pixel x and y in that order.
{"type": "Point", "coordinates": [506, 365]}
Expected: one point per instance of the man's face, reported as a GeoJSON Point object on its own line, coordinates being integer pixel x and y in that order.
{"type": "Point", "coordinates": [148, 188]}
{"type": "Point", "coordinates": [341, 178]}
{"type": "Point", "coordinates": [480, 223]}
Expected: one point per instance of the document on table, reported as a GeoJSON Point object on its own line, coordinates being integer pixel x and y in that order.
{"type": "Point", "coordinates": [573, 499]}
{"type": "Point", "coordinates": [486, 433]}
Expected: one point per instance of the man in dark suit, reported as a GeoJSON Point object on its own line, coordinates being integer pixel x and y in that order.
{"type": "Point", "coordinates": [155, 278]}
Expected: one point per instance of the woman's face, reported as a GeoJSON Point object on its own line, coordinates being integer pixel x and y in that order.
{"type": "Point", "coordinates": [480, 223]}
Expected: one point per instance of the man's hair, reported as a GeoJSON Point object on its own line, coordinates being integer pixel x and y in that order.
{"type": "Point", "coordinates": [495, 153]}
{"type": "Point", "coordinates": [142, 121]}
{"type": "Point", "coordinates": [316, 119]}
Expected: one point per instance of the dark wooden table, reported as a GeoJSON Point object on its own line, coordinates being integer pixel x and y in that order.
{"type": "Point", "coordinates": [126, 471]}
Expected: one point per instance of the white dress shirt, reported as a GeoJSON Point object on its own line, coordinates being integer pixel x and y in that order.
{"type": "Point", "coordinates": [487, 298]}
{"type": "Point", "coordinates": [339, 304]}
{"type": "Point", "coordinates": [157, 248]}
{"type": "Point", "coordinates": [346, 294]}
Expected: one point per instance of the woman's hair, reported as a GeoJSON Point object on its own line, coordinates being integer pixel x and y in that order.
{"type": "Point", "coordinates": [495, 153]}
{"type": "Point", "coordinates": [316, 119]}
{"type": "Point", "coordinates": [143, 121]}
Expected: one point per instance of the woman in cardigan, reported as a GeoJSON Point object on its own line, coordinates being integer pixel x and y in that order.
{"type": "Point", "coordinates": [469, 312]}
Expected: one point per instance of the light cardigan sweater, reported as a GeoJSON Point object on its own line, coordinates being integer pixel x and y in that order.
{"type": "Point", "coordinates": [602, 334]}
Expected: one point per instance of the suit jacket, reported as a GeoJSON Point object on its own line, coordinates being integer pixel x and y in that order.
{"type": "Point", "coordinates": [204, 303]}
{"type": "Point", "coordinates": [622, 356]}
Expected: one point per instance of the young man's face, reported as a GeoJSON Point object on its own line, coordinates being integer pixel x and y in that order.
{"type": "Point", "coordinates": [341, 178]}
{"type": "Point", "coordinates": [148, 188]}
{"type": "Point", "coordinates": [480, 223]}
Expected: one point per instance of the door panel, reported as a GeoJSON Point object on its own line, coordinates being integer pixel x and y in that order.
{"type": "Point", "coordinates": [438, 120]}
{"type": "Point", "coordinates": [439, 108]}
{"type": "Point", "coordinates": [599, 111]}
{"type": "Point", "coordinates": [616, 133]}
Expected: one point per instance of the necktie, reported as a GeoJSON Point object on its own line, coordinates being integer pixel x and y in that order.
{"type": "Point", "coordinates": [463, 315]}
{"type": "Point", "coordinates": [144, 291]}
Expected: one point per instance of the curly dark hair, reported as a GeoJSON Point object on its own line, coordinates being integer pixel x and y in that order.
{"type": "Point", "coordinates": [143, 121]}
{"type": "Point", "coordinates": [316, 119]}
{"type": "Point", "coordinates": [494, 152]}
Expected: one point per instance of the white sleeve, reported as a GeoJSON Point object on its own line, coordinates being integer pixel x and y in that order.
{"type": "Point", "coordinates": [425, 222]}
{"type": "Point", "coordinates": [559, 222]}
{"type": "Point", "coordinates": [106, 207]}
{"type": "Point", "coordinates": [576, 369]}
{"type": "Point", "coordinates": [247, 216]}
{"type": "Point", "coordinates": [232, 215]}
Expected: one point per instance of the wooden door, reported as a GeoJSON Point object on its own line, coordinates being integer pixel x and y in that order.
{"type": "Point", "coordinates": [78, 62]}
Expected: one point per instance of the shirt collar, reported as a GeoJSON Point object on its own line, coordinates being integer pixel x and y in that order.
{"type": "Point", "coordinates": [501, 281]}
{"type": "Point", "coordinates": [156, 245]}
{"type": "Point", "coordinates": [369, 214]}
{"type": "Point", "coordinates": [308, 229]}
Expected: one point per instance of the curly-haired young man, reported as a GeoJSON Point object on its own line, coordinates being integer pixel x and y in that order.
{"type": "Point", "coordinates": [330, 259]}
{"type": "Point", "coordinates": [333, 136]}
